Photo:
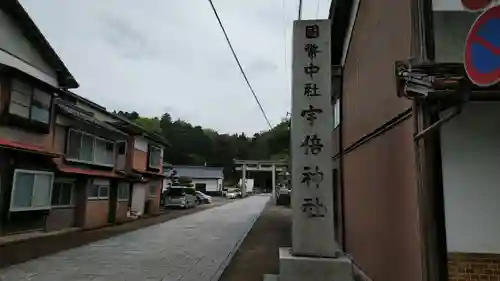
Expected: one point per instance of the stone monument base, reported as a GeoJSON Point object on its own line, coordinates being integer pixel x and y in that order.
{"type": "Point", "coordinates": [297, 268]}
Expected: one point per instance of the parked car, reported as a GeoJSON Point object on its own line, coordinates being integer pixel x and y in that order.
{"type": "Point", "coordinates": [181, 196]}
{"type": "Point", "coordinates": [283, 195]}
{"type": "Point", "coordinates": [203, 198]}
{"type": "Point", "coordinates": [233, 194]}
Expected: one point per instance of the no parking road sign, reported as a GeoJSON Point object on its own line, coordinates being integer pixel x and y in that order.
{"type": "Point", "coordinates": [476, 5]}
{"type": "Point", "coordinates": [482, 49]}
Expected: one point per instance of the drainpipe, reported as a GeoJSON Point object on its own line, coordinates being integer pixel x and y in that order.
{"type": "Point", "coordinates": [339, 75]}
{"type": "Point", "coordinates": [428, 159]}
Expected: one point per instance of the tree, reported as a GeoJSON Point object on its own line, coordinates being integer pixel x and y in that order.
{"type": "Point", "coordinates": [129, 115]}
{"type": "Point", "coordinates": [195, 145]}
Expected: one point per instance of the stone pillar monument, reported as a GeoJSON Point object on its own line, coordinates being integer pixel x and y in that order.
{"type": "Point", "coordinates": [314, 254]}
{"type": "Point", "coordinates": [244, 180]}
{"type": "Point", "coordinates": [273, 178]}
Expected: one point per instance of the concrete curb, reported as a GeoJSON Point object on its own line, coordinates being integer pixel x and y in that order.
{"type": "Point", "coordinates": [229, 257]}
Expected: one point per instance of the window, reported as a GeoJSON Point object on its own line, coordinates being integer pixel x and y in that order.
{"type": "Point", "coordinates": [62, 193]}
{"type": "Point", "coordinates": [88, 148]}
{"type": "Point", "coordinates": [140, 144]}
{"type": "Point", "coordinates": [176, 191]}
{"type": "Point", "coordinates": [152, 190]}
{"type": "Point", "coordinates": [154, 156]}
{"type": "Point", "coordinates": [29, 103]}
{"type": "Point", "coordinates": [99, 189]}
{"type": "Point", "coordinates": [121, 147]}
{"type": "Point", "coordinates": [104, 151]}
{"type": "Point", "coordinates": [123, 191]}
{"type": "Point", "coordinates": [31, 190]}
{"type": "Point", "coordinates": [336, 113]}
{"type": "Point", "coordinates": [190, 191]}
{"type": "Point", "coordinates": [99, 192]}
{"type": "Point", "coordinates": [201, 187]}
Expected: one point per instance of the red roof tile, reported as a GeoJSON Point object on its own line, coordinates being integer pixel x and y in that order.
{"type": "Point", "coordinates": [158, 174]}
{"type": "Point", "coordinates": [89, 172]}
{"type": "Point", "coordinates": [9, 144]}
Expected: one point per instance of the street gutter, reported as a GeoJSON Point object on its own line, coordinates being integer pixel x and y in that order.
{"type": "Point", "coordinates": [229, 257]}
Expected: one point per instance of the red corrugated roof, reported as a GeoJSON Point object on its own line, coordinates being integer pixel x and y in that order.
{"type": "Point", "coordinates": [6, 143]}
{"type": "Point", "coordinates": [89, 172]}
{"type": "Point", "coordinates": [150, 173]}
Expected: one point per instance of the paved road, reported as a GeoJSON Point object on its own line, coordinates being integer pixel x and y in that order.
{"type": "Point", "coordinates": [194, 247]}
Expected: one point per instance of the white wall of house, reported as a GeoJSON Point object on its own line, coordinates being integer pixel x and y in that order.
{"type": "Point", "coordinates": [471, 179]}
{"type": "Point", "coordinates": [139, 191]}
{"type": "Point", "coordinates": [212, 185]}
{"type": "Point", "coordinates": [16, 51]}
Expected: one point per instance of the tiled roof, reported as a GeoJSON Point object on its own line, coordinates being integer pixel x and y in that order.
{"type": "Point", "coordinates": [151, 173]}
{"type": "Point", "coordinates": [17, 13]}
{"type": "Point", "coordinates": [74, 112]}
{"type": "Point", "coordinates": [5, 143]}
{"type": "Point", "coordinates": [80, 171]}
{"type": "Point", "coordinates": [134, 128]}
{"type": "Point", "coordinates": [199, 172]}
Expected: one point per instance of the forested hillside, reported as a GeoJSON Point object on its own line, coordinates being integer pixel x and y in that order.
{"type": "Point", "coordinates": [194, 145]}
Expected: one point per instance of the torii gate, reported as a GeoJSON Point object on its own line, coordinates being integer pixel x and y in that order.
{"type": "Point", "coordinates": [272, 166]}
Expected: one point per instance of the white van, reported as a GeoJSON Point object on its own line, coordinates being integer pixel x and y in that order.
{"type": "Point", "coordinates": [180, 196]}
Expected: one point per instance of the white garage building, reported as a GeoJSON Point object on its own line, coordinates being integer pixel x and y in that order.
{"type": "Point", "coordinates": [208, 180]}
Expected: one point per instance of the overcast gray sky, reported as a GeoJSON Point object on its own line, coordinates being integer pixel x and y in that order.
{"type": "Point", "coordinates": [156, 56]}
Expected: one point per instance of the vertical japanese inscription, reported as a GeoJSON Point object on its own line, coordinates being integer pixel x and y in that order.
{"type": "Point", "coordinates": [311, 176]}
{"type": "Point", "coordinates": [312, 31]}
{"type": "Point", "coordinates": [311, 143]}
{"type": "Point", "coordinates": [311, 138]}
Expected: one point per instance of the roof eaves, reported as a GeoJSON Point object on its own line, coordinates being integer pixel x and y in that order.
{"type": "Point", "coordinates": [340, 15]}
{"type": "Point", "coordinates": [87, 101]}
{"type": "Point", "coordinates": [81, 115]}
{"type": "Point", "coordinates": [198, 167]}
{"type": "Point", "coordinates": [17, 13]}
{"type": "Point", "coordinates": [130, 125]}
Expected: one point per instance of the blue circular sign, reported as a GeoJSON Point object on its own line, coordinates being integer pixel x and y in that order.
{"type": "Point", "coordinates": [482, 49]}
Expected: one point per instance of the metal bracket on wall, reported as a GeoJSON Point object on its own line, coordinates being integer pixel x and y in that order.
{"type": "Point", "coordinates": [465, 93]}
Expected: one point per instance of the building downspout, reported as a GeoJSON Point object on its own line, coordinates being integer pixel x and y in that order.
{"type": "Point", "coordinates": [428, 157]}
{"type": "Point", "coordinates": [339, 76]}
{"type": "Point", "coordinates": [430, 194]}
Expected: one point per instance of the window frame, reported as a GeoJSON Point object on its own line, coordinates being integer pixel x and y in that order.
{"type": "Point", "coordinates": [151, 149]}
{"type": "Point", "coordinates": [32, 99]}
{"type": "Point", "coordinates": [95, 138]}
{"type": "Point", "coordinates": [99, 197]}
{"type": "Point", "coordinates": [72, 182]}
{"type": "Point", "coordinates": [200, 184]}
{"type": "Point", "coordinates": [336, 113]}
{"type": "Point", "coordinates": [121, 185]}
{"type": "Point", "coordinates": [12, 208]}
{"type": "Point", "coordinates": [118, 147]}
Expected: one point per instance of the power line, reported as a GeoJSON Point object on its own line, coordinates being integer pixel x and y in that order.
{"type": "Point", "coordinates": [239, 65]}
{"type": "Point", "coordinates": [283, 7]}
